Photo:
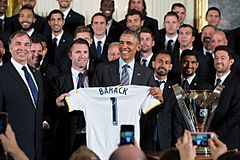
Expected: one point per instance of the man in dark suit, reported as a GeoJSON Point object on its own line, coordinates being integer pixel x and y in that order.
{"type": "Point", "coordinates": [60, 39]}
{"type": "Point", "coordinates": [21, 96]}
{"type": "Point", "coordinates": [99, 46]}
{"type": "Point", "coordinates": [107, 7]}
{"type": "Point", "coordinates": [188, 80]}
{"type": "Point", "coordinates": [72, 18]}
{"type": "Point", "coordinates": [227, 116]}
{"type": "Point", "coordinates": [157, 134]}
{"type": "Point", "coordinates": [186, 38]}
{"type": "Point", "coordinates": [69, 131]}
{"type": "Point", "coordinates": [149, 22]}
{"type": "Point", "coordinates": [145, 56]}
{"type": "Point", "coordinates": [168, 36]}
{"type": "Point", "coordinates": [12, 24]}
{"type": "Point", "coordinates": [27, 19]}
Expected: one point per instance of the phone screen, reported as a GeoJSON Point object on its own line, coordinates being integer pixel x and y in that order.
{"type": "Point", "coordinates": [127, 134]}
{"type": "Point", "coordinates": [201, 139]}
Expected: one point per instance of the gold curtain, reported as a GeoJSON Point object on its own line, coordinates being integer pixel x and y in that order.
{"type": "Point", "coordinates": [201, 9]}
{"type": "Point", "coordinates": [12, 5]}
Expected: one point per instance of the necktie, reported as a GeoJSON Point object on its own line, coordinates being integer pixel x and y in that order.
{"type": "Point", "coordinates": [169, 45]}
{"type": "Point", "coordinates": [80, 83]}
{"type": "Point", "coordinates": [31, 84]}
{"type": "Point", "coordinates": [144, 62]}
{"type": "Point", "coordinates": [159, 83]}
{"type": "Point", "coordinates": [185, 85]}
{"type": "Point", "coordinates": [125, 75]}
{"type": "Point", "coordinates": [99, 49]}
{"type": "Point", "coordinates": [54, 42]}
{"type": "Point", "coordinates": [218, 81]}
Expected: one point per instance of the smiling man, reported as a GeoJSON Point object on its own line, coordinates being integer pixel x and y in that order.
{"type": "Point", "coordinates": [21, 96]}
{"type": "Point", "coordinates": [60, 39]}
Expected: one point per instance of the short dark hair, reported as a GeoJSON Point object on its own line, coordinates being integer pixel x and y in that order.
{"type": "Point", "coordinates": [177, 5]}
{"type": "Point", "coordinates": [209, 25]}
{"type": "Point", "coordinates": [101, 3]}
{"type": "Point", "coordinates": [133, 12]}
{"type": "Point", "coordinates": [36, 40]}
{"type": "Point", "coordinates": [98, 14]}
{"type": "Point", "coordinates": [144, 11]}
{"type": "Point", "coordinates": [161, 52]}
{"type": "Point", "coordinates": [134, 33]}
{"type": "Point", "coordinates": [189, 52]}
{"type": "Point", "coordinates": [213, 9]}
{"type": "Point", "coordinates": [171, 13]}
{"type": "Point", "coordinates": [224, 48]}
{"type": "Point", "coordinates": [28, 7]}
{"type": "Point", "coordinates": [78, 41]}
{"type": "Point", "coordinates": [187, 26]}
{"type": "Point", "coordinates": [55, 11]}
{"type": "Point", "coordinates": [147, 30]}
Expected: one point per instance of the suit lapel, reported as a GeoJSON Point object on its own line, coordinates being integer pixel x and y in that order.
{"type": "Point", "coordinates": [69, 82]}
{"type": "Point", "coordinates": [136, 78]}
{"type": "Point", "coordinates": [62, 43]}
{"type": "Point", "coordinates": [19, 79]}
{"type": "Point", "coordinates": [114, 72]}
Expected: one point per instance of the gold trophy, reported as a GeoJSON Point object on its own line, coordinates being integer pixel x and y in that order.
{"type": "Point", "coordinates": [198, 108]}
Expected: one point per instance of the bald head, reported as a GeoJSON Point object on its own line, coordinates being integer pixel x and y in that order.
{"type": "Point", "coordinates": [128, 152]}
{"type": "Point", "coordinates": [218, 38]}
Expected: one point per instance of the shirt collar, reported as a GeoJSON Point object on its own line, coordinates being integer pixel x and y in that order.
{"type": "Point", "coordinates": [148, 58]}
{"type": "Point", "coordinates": [189, 79]}
{"type": "Point", "coordinates": [30, 32]}
{"type": "Point", "coordinates": [223, 77]}
{"type": "Point", "coordinates": [122, 63]}
{"type": "Point", "coordinates": [66, 13]}
{"type": "Point", "coordinates": [102, 40]}
{"type": "Point", "coordinates": [173, 38]}
{"type": "Point", "coordinates": [59, 36]}
{"type": "Point", "coordinates": [2, 17]}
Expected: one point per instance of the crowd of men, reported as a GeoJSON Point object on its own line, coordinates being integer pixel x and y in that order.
{"type": "Point", "coordinates": [43, 59]}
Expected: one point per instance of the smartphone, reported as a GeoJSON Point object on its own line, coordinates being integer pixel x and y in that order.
{"type": "Point", "coordinates": [127, 134]}
{"type": "Point", "coordinates": [201, 138]}
{"type": "Point", "coordinates": [3, 121]}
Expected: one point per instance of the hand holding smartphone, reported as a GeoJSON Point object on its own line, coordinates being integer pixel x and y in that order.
{"type": "Point", "coordinates": [127, 134]}
{"type": "Point", "coordinates": [200, 139]}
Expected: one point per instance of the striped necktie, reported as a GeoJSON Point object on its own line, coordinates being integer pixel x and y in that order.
{"type": "Point", "coordinates": [125, 75]}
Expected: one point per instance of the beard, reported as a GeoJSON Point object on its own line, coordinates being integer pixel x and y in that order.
{"type": "Point", "coordinates": [27, 29]}
{"type": "Point", "coordinates": [161, 71]}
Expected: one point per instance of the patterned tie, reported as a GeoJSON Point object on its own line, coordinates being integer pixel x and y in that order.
{"type": "Point", "coordinates": [80, 83]}
{"type": "Point", "coordinates": [99, 49]}
{"type": "Point", "coordinates": [169, 45]}
{"type": "Point", "coordinates": [144, 62]}
{"type": "Point", "coordinates": [218, 81]}
{"type": "Point", "coordinates": [125, 75]}
{"type": "Point", "coordinates": [31, 84]}
{"type": "Point", "coordinates": [185, 85]}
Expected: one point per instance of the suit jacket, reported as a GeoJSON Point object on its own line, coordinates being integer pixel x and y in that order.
{"type": "Point", "coordinates": [26, 120]}
{"type": "Point", "coordinates": [67, 123]}
{"type": "Point", "coordinates": [149, 22]}
{"type": "Point", "coordinates": [115, 31]}
{"type": "Point", "coordinates": [93, 52]}
{"type": "Point", "coordinates": [54, 55]}
{"type": "Point", "coordinates": [227, 116]}
{"type": "Point", "coordinates": [72, 21]}
{"type": "Point", "coordinates": [138, 59]}
{"type": "Point", "coordinates": [107, 74]}
{"type": "Point", "coordinates": [40, 25]}
{"type": "Point", "coordinates": [160, 117]}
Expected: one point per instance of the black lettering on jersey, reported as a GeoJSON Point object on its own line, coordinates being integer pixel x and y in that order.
{"type": "Point", "coordinates": [111, 90]}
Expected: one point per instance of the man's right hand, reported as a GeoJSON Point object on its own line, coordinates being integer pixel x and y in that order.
{"type": "Point", "coordinates": [61, 99]}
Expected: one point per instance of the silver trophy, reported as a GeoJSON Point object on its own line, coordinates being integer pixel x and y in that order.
{"type": "Point", "coordinates": [198, 108]}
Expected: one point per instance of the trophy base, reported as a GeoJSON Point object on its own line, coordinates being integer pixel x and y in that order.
{"type": "Point", "coordinates": [203, 151]}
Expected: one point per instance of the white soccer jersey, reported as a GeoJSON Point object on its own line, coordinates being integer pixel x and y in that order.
{"type": "Point", "coordinates": [106, 109]}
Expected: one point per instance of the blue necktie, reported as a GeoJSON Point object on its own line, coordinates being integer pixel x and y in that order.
{"type": "Point", "coordinates": [99, 49]}
{"type": "Point", "coordinates": [80, 81]}
{"type": "Point", "coordinates": [185, 85]}
{"type": "Point", "coordinates": [125, 75]}
{"type": "Point", "coordinates": [218, 81]}
{"type": "Point", "coordinates": [144, 62]}
{"type": "Point", "coordinates": [31, 84]}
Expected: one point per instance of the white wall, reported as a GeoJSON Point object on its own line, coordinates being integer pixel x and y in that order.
{"type": "Point", "coordinates": [155, 8]}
